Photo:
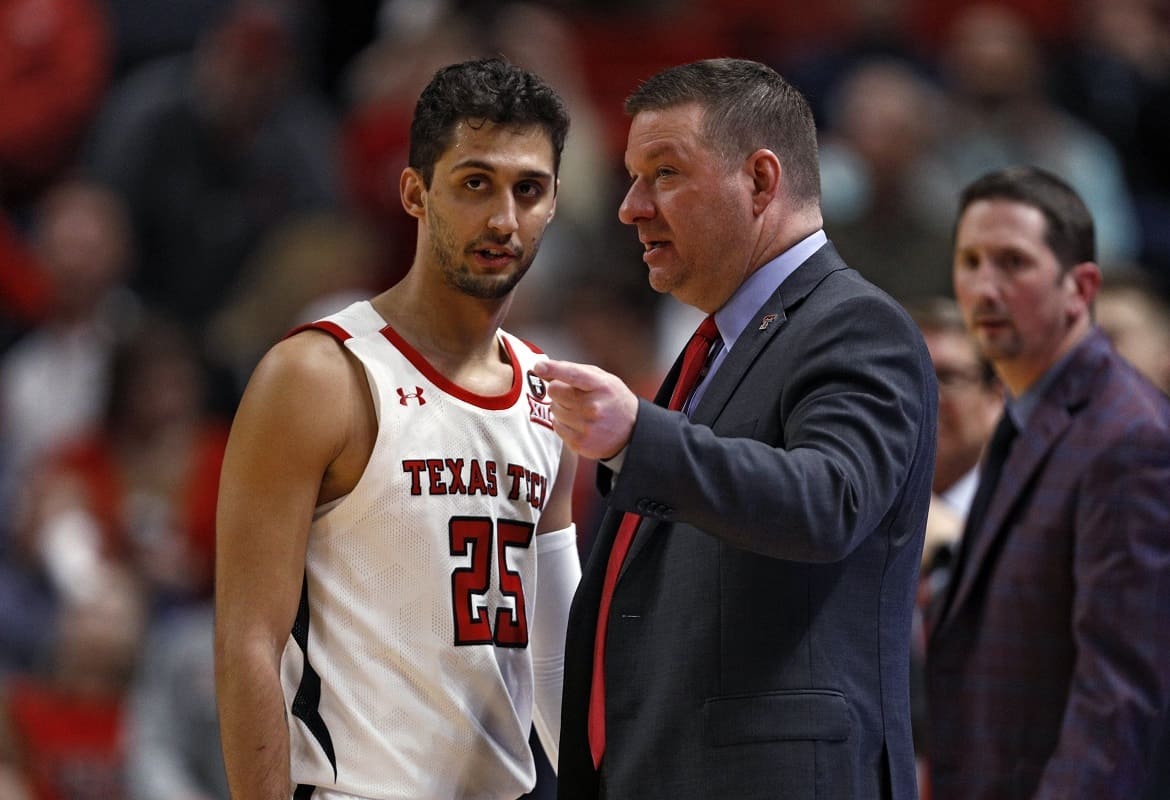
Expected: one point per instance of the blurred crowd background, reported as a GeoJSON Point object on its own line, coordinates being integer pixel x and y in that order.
{"type": "Point", "coordinates": [183, 181]}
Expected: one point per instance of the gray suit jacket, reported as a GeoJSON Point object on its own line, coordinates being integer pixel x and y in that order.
{"type": "Point", "coordinates": [759, 636]}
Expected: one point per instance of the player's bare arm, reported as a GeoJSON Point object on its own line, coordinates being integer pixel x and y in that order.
{"type": "Point", "coordinates": [288, 450]}
{"type": "Point", "coordinates": [558, 510]}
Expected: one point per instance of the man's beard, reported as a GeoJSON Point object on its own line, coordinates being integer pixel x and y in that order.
{"type": "Point", "coordinates": [457, 274]}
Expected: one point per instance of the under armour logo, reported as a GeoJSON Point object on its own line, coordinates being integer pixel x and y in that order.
{"type": "Point", "coordinates": [417, 394]}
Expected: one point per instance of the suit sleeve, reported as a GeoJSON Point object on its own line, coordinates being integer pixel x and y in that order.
{"type": "Point", "coordinates": [1120, 685]}
{"type": "Point", "coordinates": [814, 448]}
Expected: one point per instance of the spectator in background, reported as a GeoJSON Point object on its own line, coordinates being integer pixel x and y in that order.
{"type": "Point", "coordinates": [883, 120]}
{"type": "Point", "coordinates": [1112, 67]}
{"type": "Point", "coordinates": [970, 401]}
{"type": "Point", "coordinates": [67, 725]}
{"type": "Point", "coordinates": [870, 31]}
{"type": "Point", "coordinates": [13, 784]}
{"type": "Point", "coordinates": [53, 381]}
{"type": "Point", "coordinates": [139, 490]}
{"type": "Point", "coordinates": [25, 292]}
{"type": "Point", "coordinates": [1048, 657]}
{"type": "Point", "coordinates": [305, 269]}
{"type": "Point", "coordinates": [54, 70]}
{"type": "Point", "coordinates": [1136, 318]}
{"type": "Point", "coordinates": [1114, 74]}
{"type": "Point", "coordinates": [172, 734]}
{"type": "Point", "coordinates": [211, 151]}
{"type": "Point", "coordinates": [995, 75]}
{"type": "Point", "coordinates": [141, 33]}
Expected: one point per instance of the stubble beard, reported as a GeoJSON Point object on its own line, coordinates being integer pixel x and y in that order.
{"type": "Point", "coordinates": [1003, 346]}
{"type": "Point", "coordinates": [459, 275]}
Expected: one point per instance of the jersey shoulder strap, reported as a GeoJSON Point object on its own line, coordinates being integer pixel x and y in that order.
{"type": "Point", "coordinates": [355, 320]}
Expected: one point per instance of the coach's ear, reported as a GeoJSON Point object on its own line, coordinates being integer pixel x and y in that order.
{"type": "Point", "coordinates": [413, 191]}
{"type": "Point", "coordinates": [762, 169]}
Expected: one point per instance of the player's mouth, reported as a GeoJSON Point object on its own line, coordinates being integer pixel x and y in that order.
{"type": "Point", "coordinates": [494, 256]}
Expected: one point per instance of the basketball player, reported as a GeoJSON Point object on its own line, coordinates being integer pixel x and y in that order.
{"type": "Point", "coordinates": [393, 490]}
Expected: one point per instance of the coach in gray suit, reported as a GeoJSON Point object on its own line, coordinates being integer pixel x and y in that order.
{"type": "Point", "coordinates": [758, 636]}
{"type": "Point", "coordinates": [1048, 661]}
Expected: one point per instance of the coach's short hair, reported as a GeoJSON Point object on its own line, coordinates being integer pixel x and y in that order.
{"type": "Point", "coordinates": [746, 106]}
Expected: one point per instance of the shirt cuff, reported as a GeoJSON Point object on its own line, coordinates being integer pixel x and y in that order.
{"type": "Point", "coordinates": [614, 463]}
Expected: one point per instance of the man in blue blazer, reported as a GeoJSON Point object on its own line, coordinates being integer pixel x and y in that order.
{"type": "Point", "coordinates": [1048, 659]}
{"type": "Point", "coordinates": [757, 640]}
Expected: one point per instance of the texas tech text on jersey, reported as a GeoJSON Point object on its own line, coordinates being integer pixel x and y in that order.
{"type": "Point", "coordinates": [470, 476]}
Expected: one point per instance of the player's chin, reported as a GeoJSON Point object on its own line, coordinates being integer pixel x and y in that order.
{"type": "Point", "coordinates": [489, 287]}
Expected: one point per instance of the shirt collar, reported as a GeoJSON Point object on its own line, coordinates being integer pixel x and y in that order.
{"type": "Point", "coordinates": [1023, 407]}
{"type": "Point", "coordinates": [741, 309]}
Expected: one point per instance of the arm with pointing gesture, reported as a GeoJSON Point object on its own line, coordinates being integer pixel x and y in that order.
{"type": "Point", "coordinates": [593, 410]}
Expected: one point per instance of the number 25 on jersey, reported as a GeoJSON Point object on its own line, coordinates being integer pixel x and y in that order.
{"type": "Point", "coordinates": [473, 622]}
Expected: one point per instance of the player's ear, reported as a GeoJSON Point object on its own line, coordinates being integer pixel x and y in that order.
{"type": "Point", "coordinates": [413, 191]}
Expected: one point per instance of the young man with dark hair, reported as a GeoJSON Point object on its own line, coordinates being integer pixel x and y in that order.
{"type": "Point", "coordinates": [391, 484]}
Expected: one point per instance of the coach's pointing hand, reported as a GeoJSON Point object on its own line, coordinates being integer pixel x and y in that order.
{"type": "Point", "coordinates": [593, 411]}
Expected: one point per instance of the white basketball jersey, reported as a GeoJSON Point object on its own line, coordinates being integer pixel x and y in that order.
{"type": "Point", "coordinates": [408, 672]}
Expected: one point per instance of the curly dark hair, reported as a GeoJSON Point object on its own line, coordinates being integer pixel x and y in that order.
{"type": "Point", "coordinates": [489, 89]}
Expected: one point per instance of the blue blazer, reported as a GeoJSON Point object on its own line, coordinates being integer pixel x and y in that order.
{"type": "Point", "coordinates": [1048, 662]}
{"type": "Point", "coordinates": [759, 635]}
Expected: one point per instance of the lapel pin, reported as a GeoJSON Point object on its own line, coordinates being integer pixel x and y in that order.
{"type": "Point", "coordinates": [766, 321]}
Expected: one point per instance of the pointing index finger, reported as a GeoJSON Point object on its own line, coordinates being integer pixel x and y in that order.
{"type": "Point", "coordinates": [578, 376]}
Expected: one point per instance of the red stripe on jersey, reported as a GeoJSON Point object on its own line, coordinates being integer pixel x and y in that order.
{"type": "Point", "coordinates": [340, 333]}
{"type": "Point", "coordinates": [496, 403]}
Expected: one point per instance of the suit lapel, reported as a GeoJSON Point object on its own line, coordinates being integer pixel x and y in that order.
{"type": "Point", "coordinates": [748, 346]}
{"type": "Point", "coordinates": [1048, 423]}
{"type": "Point", "coordinates": [766, 324]}
{"type": "Point", "coordinates": [1026, 456]}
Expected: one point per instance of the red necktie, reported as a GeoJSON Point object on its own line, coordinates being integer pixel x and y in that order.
{"type": "Point", "coordinates": [694, 359]}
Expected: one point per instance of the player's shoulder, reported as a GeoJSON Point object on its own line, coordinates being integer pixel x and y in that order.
{"type": "Point", "coordinates": [310, 362]}
{"type": "Point", "coordinates": [356, 320]}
